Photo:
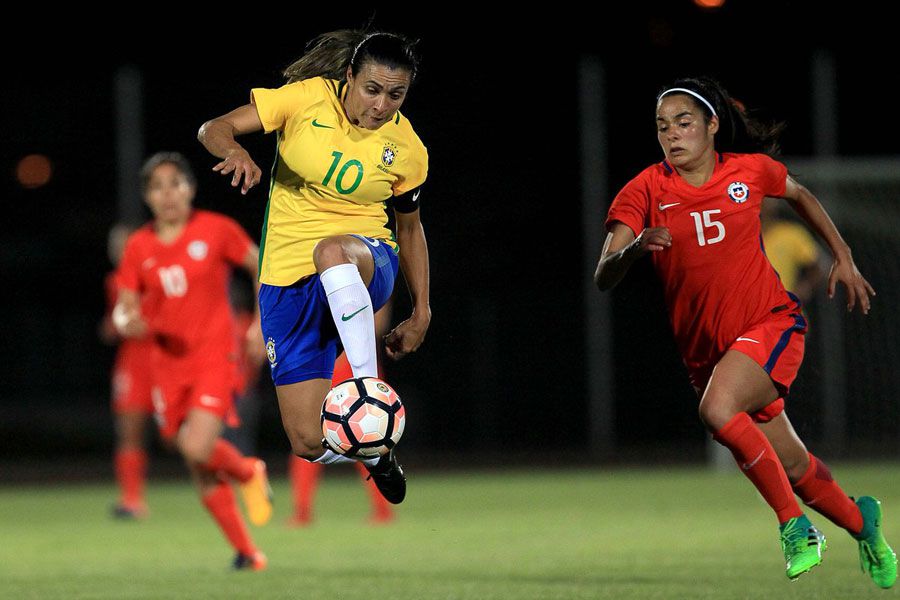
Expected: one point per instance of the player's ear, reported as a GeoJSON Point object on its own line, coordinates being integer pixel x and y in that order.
{"type": "Point", "coordinates": [349, 75]}
{"type": "Point", "coordinates": [713, 125]}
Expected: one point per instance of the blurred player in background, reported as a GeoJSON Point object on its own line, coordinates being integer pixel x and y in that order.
{"type": "Point", "coordinates": [248, 396]}
{"type": "Point", "coordinates": [328, 261]}
{"type": "Point", "coordinates": [793, 252]}
{"type": "Point", "coordinates": [739, 332]}
{"type": "Point", "coordinates": [173, 289]}
{"type": "Point", "coordinates": [304, 475]}
{"type": "Point", "coordinates": [132, 405]}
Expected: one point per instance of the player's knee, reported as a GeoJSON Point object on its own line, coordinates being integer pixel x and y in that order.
{"type": "Point", "coordinates": [330, 252]}
{"type": "Point", "coordinates": [715, 412]}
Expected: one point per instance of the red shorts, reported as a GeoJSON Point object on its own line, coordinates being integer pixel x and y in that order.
{"type": "Point", "coordinates": [132, 381]}
{"type": "Point", "coordinates": [776, 345]}
{"type": "Point", "coordinates": [211, 391]}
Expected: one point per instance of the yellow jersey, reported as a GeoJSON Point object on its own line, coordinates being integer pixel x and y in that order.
{"type": "Point", "coordinates": [330, 177]}
{"type": "Point", "coordinates": [790, 248]}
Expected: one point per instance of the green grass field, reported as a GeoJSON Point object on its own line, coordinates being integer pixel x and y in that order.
{"type": "Point", "coordinates": [665, 533]}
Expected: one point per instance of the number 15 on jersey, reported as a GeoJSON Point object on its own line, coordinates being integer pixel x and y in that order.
{"type": "Point", "coordinates": [705, 225]}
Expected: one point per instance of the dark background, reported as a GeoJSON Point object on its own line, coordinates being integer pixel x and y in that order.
{"type": "Point", "coordinates": [502, 370]}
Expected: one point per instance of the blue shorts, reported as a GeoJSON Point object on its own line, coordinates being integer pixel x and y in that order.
{"type": "Point", "coordinates": [301, 339]}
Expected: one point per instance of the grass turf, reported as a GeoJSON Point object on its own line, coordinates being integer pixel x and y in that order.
{"type": "Point", "coordinates": [650, 533]}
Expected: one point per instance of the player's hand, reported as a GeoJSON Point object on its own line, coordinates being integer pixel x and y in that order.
{"type": "Point", "coordinates": [653, 239]}
{"type": "Point", "coordinates": [128, 323]}
{"type": "Point", "coordinates": [858, 289]}
{"type": "Point", "coordinates": [239, 165]}
{"type": "Point", "coordinates": [406, 337]}
{"type": "Point", "coordinates": [254, 345]}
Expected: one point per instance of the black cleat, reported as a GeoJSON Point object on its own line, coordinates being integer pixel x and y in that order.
{"type": "Point", "coordinates": [389, 478]}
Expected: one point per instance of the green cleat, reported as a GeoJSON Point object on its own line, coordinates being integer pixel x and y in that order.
{"type": "Point", "coordinates": [802, 545]}
{"type": "Point", "coordinates": [875, 556]}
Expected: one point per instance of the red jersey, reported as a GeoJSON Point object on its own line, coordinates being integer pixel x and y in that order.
{"type": "Point", "coordinates": [184, 292]}
{"type": "Point", "coordinates": [717, 280]}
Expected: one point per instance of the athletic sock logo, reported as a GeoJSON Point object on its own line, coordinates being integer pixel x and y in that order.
{"type": "Point", "coordinates": [748, 466]}
{"type": "Point", "coordinates": [353, 314]}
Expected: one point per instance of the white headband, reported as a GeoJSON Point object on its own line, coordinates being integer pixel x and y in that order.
{"type": "Point", "coordinates": [694, 94]}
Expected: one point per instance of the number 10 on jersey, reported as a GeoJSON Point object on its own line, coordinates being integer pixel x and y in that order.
{"type": "Point", "coordinates": [704, 221]}
{"type": "Point", "coordinates": [339, 181]}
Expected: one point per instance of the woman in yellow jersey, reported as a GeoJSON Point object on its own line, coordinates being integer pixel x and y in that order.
{"type": "Point", "coordinates": [327, 259]}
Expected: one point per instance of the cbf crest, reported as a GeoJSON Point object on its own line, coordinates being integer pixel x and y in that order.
{"type": "Point", "coordinates": [270, 352]}
{"type": "Point", "coordinates": [388, 154]}
{"type": "Point", "coordinates": [738, 192]}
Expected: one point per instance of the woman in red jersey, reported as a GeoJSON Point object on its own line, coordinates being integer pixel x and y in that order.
{"type": "Point", "coordinates": [173, 288]}
{"type": "Point", "coordinates": [739, 332]}
{"type": "Point", "coordinates": [131, 402]}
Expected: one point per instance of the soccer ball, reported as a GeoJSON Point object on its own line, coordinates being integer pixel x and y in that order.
{"type": "Point", "coordinates": [362, 417]}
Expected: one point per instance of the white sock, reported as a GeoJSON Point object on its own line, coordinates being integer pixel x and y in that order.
{"type": "Point", "coordinates": [331, 458]}
{"type": "Point", "coordinates": [348, 297]}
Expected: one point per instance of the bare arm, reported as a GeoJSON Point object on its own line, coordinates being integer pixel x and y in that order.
{"type": "Point", "coordinates": [217, 136]}
{"type": "Point", "coordinates": [843, 269]}
{"type": "Point", "coordinates": [410, 334]}
{"type": "Point", "coordinates": [622, 248]}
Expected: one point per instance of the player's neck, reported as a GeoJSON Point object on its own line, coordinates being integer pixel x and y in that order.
{"type": "Point", "coordinates": [168, 231]}
{"type": "Point", "coordinates": [700, 171]}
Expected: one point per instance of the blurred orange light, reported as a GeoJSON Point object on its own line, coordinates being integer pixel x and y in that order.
{"type": "Point", "coordinates": [709, 3]}
{"type": "Point", "coordinates": [33, 171]}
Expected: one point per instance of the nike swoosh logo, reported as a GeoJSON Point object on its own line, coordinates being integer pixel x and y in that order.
{"type": "Point", "coordinates": [353, 314]}
{"type": "Point", "coordinates": [415, 197]}
{"type": "Point", "coordinates": [748, 466]}
{"type": "Point", "coordinates": [665, 206]}
{"type": "Point", "coordinates": [317, 124]}
{"type": "Point", "coordinates": [743, 339]}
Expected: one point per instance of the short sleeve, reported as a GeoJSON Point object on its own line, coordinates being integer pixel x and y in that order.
{"type": "Point", "coordinates": [127, 276]}
{"type": "Point", "coordinates": [276, 106]}
{"type": "Point", "coordinates": [631, 204]}
{"type": "Point", "coordinates": [772, 176]}
{"type": "Point", "coordinates": [235, 241]}
{"type": "Point", "coordinates": [416, 171]}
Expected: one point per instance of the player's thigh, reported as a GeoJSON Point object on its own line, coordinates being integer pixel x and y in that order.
{"type": "Point", "coordinates": [738, 384]}
{"type": "Point", "coordinates": [787, 444]}
{"type": "Point", "coordinates": [301, 409]}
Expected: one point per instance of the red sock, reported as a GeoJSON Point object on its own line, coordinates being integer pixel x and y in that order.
{"type": "Point", "coordinates": [381, 508]}
{"type": "Point", "coordinates": [757, 459]}
{"type": "Point", "coordinates": [822, 493]}
{"type": "Point", "coordinates": [131, 472]}
{"type": "Point", "coordinates": [304, 481]}
{"type": "Point", "coordinates": [221, 505]}
{"type": "Point", "coordinates": [228, 459]}
{"type": "Point", "coordinates": [342, 370]}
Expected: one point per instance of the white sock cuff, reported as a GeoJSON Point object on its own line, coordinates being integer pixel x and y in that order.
{"type": "Point", "coordinates": [331, 457]}
{"type": "Point", "coordinates": [340, 276]}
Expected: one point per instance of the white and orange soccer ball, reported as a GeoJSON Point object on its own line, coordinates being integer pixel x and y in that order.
{"type": "Point", "coordinates": [362, 417]}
